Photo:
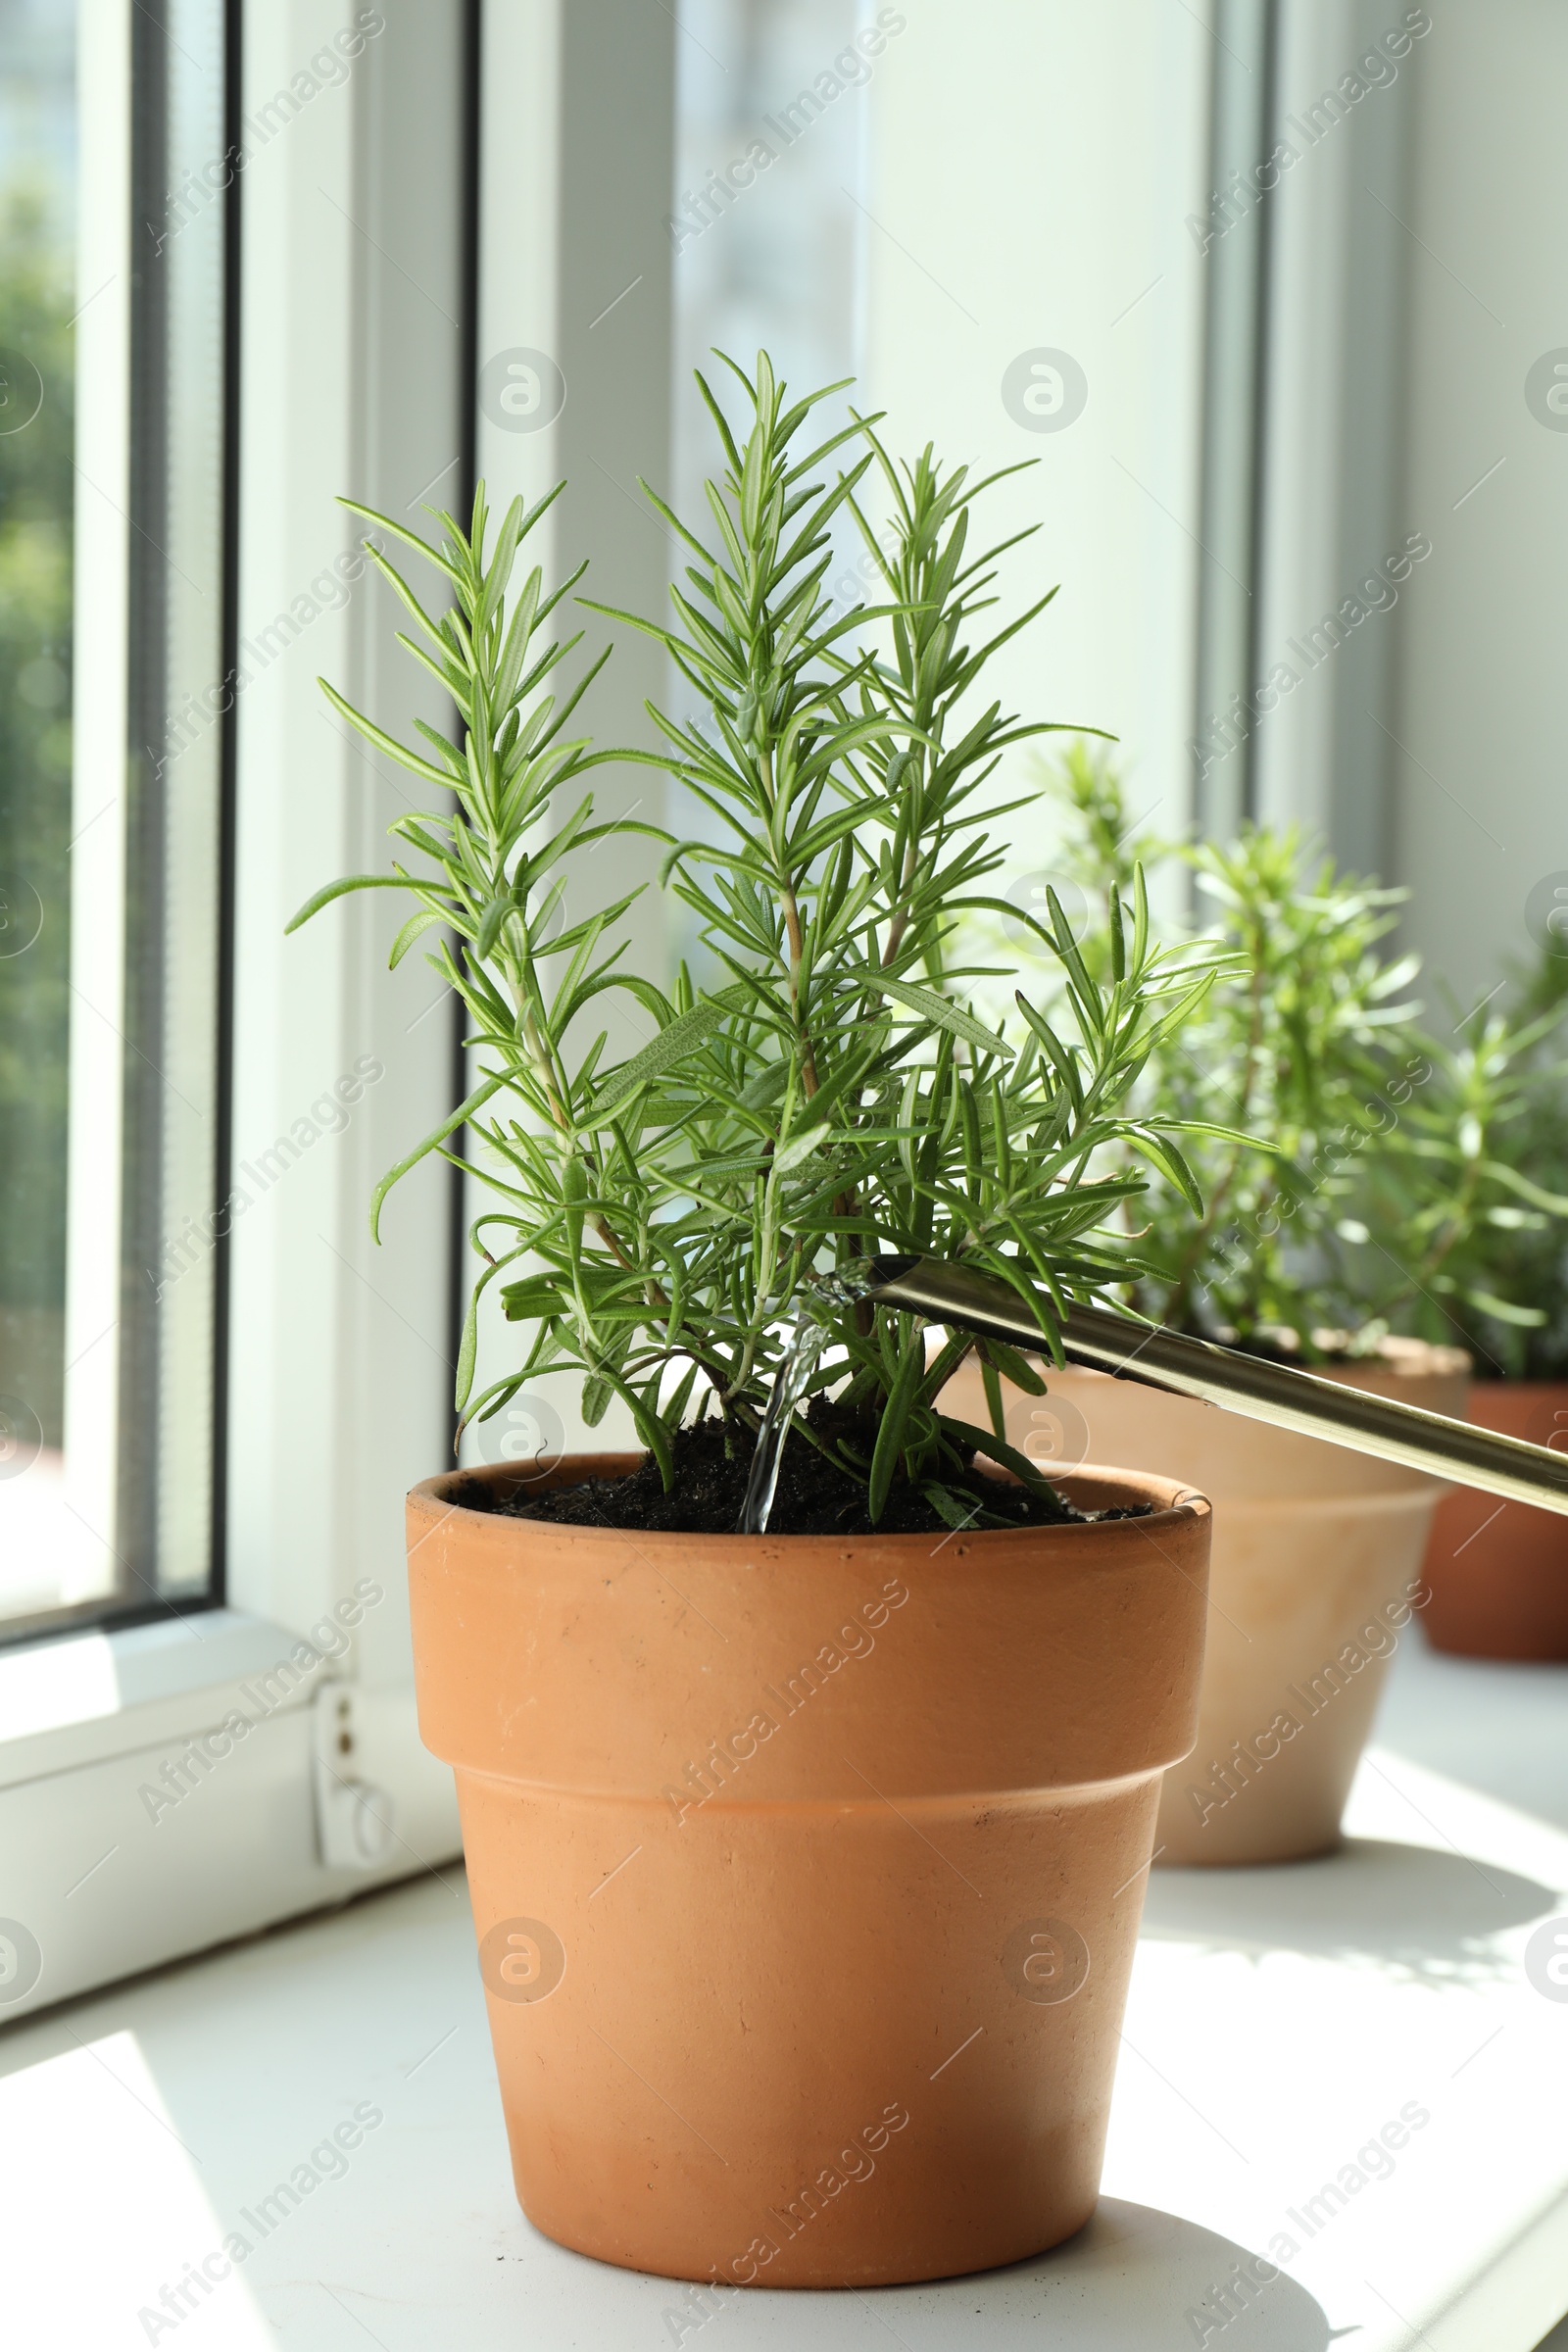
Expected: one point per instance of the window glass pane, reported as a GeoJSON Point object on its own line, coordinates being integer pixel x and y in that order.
{"type": "Point", "coordinates": [769, 215]}
{"type": "Point", "coordinates": [172, 1154]}
{"type": "Point", "coordinates": [112, 273]}
{"type": "Point", "coordinates": [769, 225]}
{"type": "Point", "coordinates": [37, 299]}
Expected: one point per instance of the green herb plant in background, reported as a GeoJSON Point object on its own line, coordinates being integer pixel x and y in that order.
{"type": "Point", "coordinates": [1459, 1219]}
{"type": "Point", "coordinates": [818, 1088]}
{"type": "Point", "coordinates": [1303, 1054]}
{"type": "Point", "coordinates": [1411, 1185]}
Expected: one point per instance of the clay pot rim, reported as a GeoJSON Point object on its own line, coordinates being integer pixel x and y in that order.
{"type": "Point", "coordinates": [1353, 1500]}
{"type": "Point", "coordinates": [1173, 1497]}
{"type": "Point", "coordinates": [1493, 1381]}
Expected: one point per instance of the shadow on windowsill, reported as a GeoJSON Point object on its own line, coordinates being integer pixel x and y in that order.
{"type": "Point", "coordinates": [1135, 2275]}
{"type": "Point", "coordinates": [1408, 1909]}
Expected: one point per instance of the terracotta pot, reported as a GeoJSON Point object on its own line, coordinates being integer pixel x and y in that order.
{"type": "Point", "coordinates": [851, 2018]}
{"type": "Point", "coordinates": [1317, 1560]}
{"type": "Point", "coordinates": [1499, 1573]}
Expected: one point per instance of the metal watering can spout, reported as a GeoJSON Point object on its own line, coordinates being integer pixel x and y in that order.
{"type": "Point", "coordinates": [1280, 1394]}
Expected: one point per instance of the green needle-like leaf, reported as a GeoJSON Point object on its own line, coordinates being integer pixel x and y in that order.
{"type": "Point", "coordinates": [827, 1077]}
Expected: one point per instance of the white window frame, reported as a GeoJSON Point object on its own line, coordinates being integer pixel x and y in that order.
{"type": "Point", "coordinates": [352, 378]}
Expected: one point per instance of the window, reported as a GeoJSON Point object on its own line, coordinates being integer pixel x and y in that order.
{"type": "Point", "coordinates": [39, 144]}
{"type": "Point", "coordinates": [248, 260]}
{"type": "Point", "coordinates": [111, 1117]}
{"type": "Point", "coordinates": [173, 1145]}
{"type": "Point", "coordinates": [767, 174]}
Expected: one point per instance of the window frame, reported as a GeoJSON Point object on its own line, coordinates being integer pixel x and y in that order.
{"type": "Point", "coordinates": [350, 358]}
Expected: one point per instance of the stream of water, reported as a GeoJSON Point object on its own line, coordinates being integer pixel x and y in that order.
{"type": "Point", "coordinates": [806, 1341]}
{"type": "Point", "coordinates": [804, 1344]}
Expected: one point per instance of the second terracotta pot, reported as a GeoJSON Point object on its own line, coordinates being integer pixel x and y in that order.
{"type": "Point", "coordinates": [1316, 1566]}
{"type": "Point", "coordinates": [806, 1872]}
{"type": "Point", "coordinates": [1499, 1572]}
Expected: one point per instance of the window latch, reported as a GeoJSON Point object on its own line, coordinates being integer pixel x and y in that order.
{"type": "Point", "coordinates": [352, 1817]}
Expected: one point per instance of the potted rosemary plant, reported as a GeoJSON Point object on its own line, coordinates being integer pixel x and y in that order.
{"type": "Point", "coordinates": [795, 1855]}
{"type": "Point", "coordinates": [1461, 1234]}
{"type": "Point", "coordinates": [1308, 1042]}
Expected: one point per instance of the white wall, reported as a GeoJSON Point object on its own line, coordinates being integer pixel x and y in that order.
{"type": "Point", "coordinates": [1031, 168]}
{"type": "Point", "coordinates": [1480, 804]}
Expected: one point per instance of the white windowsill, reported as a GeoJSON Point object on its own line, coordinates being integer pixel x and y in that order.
{"type": "Point", "coordinates": [1278, 2018]}
{"type": "Point", "coordinates": [82, 1696]}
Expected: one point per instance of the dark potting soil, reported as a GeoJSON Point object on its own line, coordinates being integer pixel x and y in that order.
{"type": "Point", "coordinates": [813, 1499]}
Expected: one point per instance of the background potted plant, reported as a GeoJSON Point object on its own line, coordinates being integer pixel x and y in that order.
{"type": "Point", "coordinates": [805, 1866]}
{"type": "Point", "coordinates": [1306, 1042]}
{"type": "Point", "coordinates": [1464, 1237]}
